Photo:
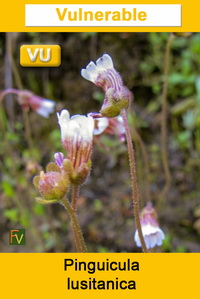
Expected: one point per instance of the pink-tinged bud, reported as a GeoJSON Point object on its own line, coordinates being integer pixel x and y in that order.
{"type": "Point", "coordinates": [81, 174]}
{"type": "Point", "coordinates": [153, 235]}
{"type": "Point", "coordinates": [77, 138]}
{"type": "Point", "coordinates": [52, 185]}
{"type": "Point", "coordinates": [112, 126]}
{"type": "Point", "coordinates": [103, 74]}
{"type": "Point", "coordinates": [40, 105]}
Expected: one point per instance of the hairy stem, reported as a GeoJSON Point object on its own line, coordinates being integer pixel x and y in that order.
{"type": "Point", "coordinates": [164, 120]}
{"type": "Point", "coordinates": [132, 163]}
{"type": "Point", "coordinates": [78, 236]}
{"type": "Point", "coordinates": [136, 135]}
{"type": "Point", "coordinates": [75, 194]}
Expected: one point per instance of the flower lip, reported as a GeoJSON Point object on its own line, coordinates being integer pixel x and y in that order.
{"type": "Point", "coordinates": [100, 125]}
{"type": "Point", "coordinates": [77, 125]}
{"type": "Point", "coordinates": [46, 108]}
{"type": "Point", "coordinates": [111, 126]}
{"type": "Point", "coordinates": [63, 116]}
{"type": "Point", "coordinates": [92, 70]}
{"type": "Point", "coordinates": [153, 236]}
{"type": "Point", "coordinates": [105, 62]}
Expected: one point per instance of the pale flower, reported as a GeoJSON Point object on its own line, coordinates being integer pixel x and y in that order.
{"type": "Point", "coordinates": [111, 126]}
{"type": "Point", "coordinates": [103, 74]}
{"type": "Point", "coordinates": [27, 100]}
{"type": "Point", "coordinates": [95, 72]}
{"type": "Point", "coordinates": [42, 106]}
{"type": "Point", "coordinates": [100, 125]}
{"type": "Point", "coordinates": [77, 137]}
{"type": "Point", "coordinates": [152, 233]}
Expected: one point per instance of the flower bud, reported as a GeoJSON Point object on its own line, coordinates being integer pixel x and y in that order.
{"type": "Point", "coordinates": [81, 174]}
{"type": "Point", "coordinates": [52, 185]}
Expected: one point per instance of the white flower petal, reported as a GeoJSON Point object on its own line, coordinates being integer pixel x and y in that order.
{"type": "Point", "coordinates": [91, 67]}
{"type": "Point", "coordinates": [93, 70]}
{"type": "Point", "coordinates": [137, 239]}
{"type": "Point", "coordinates": [79, 126]}
{"type": "Point", "coordinates": [153, 240]}
{"type": "Point", "coordinates": [149, 229]}
{"type": "Point", "coordinates": [105, 62]}
{"type": "Point", "coordinates": [160, 237]}
{"type": "Point", "coordinates": [48, 103]}
{"type": "Point", "coordinates": [87, 75]}
{"type": "Point", "coordinates": [63, 116]}
{"type": "Point", "coordinates": [63, 120]}
{"type": "Point", "coordinates": [46, 108]}
{"type": "Point", "coordinates": [147, 241]}
{"type": "Point", "coordinates": [85, 125]}
{"type": "Point", "coordinates": [120, 119]}
{"type": "Point", "coordinates": [100, 125]}
{"type": "Point", "coordinates": [74, 127]}
{"type": "Point", "coordinates": [43, 112]}
{"type": "Point", "coordinates": [153, 236]}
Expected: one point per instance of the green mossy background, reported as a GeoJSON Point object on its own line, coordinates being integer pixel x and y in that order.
{"type": "Point", "coordinates": [105, 204]}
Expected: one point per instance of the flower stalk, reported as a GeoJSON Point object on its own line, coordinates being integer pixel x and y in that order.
{"type": "Point", "coordinates": [132, 163]}
{"type": "Point", "coordinates": [75, 195]}
{"type": "Point", "coordinates": [138, 138]}
{"type": "Point", "coordinates": [117, 99]}
{"type": "Point", "coordinates": [78, 236]}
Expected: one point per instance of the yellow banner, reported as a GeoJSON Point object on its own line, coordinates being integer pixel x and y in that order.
{"type": "Point", "coordinates": [14, 16]}
{"type": "Point", "coordinates": [65, 275]}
